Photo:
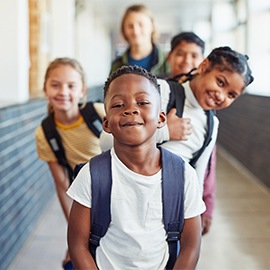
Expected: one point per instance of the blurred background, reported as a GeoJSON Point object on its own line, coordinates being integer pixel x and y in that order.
{"type": "Point", "coordinates": [34, 32]}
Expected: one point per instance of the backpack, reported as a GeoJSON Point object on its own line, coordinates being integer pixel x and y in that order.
{"type": "Point", "coordinates": [172, 198]}
{"type": "Point", "coordinates": [177, 100]}
{"type": "Point", "coordinates": [93, 122]}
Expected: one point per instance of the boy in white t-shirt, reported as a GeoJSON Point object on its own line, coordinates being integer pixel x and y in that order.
{"type": "Point", "coordinates": [136, 238]}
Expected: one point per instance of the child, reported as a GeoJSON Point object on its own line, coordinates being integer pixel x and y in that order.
{"type": "Point", "coordinates": [139, 30]}
{"type": "Point", "coordinates": [64, 86]}
{"type": "Point", "coordinates": [214, 85]}
{"type": "Point", "coordinates": [136, 237]}
{"type": "Point", "coordinates": [187, 52]}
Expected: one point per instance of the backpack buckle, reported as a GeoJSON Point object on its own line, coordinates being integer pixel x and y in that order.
{"type": "Point", "coordinates": [173, 236]}
{"type": "Point", "coordinates": [94, 239]}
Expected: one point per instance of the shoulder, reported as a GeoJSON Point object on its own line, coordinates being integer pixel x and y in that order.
{"type": "Point", "coordinates": [93, 107]}
{"type": "Point", "coordinates": [119, 61]}
{"type": "Point", "coordinates": [39, 134]}
{"type": "Point", "coordinates": [43, 148]}
{"type": "Point", "coordinates": [161, 53]}
{"type": "Point", "coordinates": [164, 85]}
{"type": "Point", "coordinates": [99, 107]}
{"type": "Point", "coordinates": [80, 189]}
{"type": "Point", "coordinates": [216, 121]}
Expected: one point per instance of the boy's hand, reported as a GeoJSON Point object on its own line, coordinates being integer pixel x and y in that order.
{"type": "Point", "coordinates": [179, 128]}
{"type": "Point", "coordinates": [206, 223]}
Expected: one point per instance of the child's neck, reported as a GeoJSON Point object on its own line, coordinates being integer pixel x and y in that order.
{"type": "Point", "coordinates": [138, 160]}
{"type": "Point", "coordinates": [138, 52]}
{"type": "Point", "coordinates": [67, 118]}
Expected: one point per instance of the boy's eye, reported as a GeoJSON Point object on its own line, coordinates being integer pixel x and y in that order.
{"type": "Point", "coordinates": [142, 103]}
{"type": "Point", "coordinates": [118, 105]}
{"type": "Point", "coordinates": [179, 53]}
{"type": "Point", "coordinates": [195, 56]}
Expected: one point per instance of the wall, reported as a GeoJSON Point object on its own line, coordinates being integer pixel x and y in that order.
{"type": "Point", "coordinates": [26, 185]}
{"type": "Point", "coordinates": [244, 132]}
{"type": "Point", "coordinates": [14, 54]}
{"type": "Point", "coordinates": [25, 181]}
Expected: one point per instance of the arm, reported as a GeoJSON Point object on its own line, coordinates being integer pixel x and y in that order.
{"type": "Point", "coordinates": [190, 244]}
{"type": "Point", "coordinates": [79, 226]}
{"type": "Point", "coordinates": [177, 128]}
{"type": "Point", "coordinates": [61, 181]}
{"type": "Point", "coordinates": [209, 193]}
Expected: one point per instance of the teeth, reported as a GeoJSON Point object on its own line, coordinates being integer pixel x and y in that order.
{"type": "Point", "coordinates": [131, 124]}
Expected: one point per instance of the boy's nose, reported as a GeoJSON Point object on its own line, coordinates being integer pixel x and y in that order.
{"type": "Point", "coordinates": [131, 111]}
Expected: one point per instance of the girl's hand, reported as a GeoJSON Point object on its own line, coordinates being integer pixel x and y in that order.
{"type": "Point", "coordinates": [179, 128]}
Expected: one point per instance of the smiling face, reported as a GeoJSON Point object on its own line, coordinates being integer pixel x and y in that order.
{"type": "Point", "coordinates": [184, 57]}
{"type": "Point", "coordinates": [216, 89]}
{"type": "Point", "coordinates": [137, 29]}
{"type": "Point", "coordinates": [133, 111]}
{"type": "Point", "coordinates": [64, 88]}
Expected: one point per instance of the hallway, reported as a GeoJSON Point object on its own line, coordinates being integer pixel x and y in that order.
{"type": "Point", "coordinates": [239, 237]}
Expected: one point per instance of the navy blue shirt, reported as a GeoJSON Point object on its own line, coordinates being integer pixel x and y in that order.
{"type": "Point", "coordinates": [145, 62]}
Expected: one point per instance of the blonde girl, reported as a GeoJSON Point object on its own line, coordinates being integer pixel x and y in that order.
{"type": "Point", "coordinates": [65, 88]}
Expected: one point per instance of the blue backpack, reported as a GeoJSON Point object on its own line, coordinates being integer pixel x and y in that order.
{"type": "Point", "coordinates": [172, 198]}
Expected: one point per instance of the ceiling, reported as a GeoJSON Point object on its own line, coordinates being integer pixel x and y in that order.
{"type": "Point", "coordinates": [171, 15]}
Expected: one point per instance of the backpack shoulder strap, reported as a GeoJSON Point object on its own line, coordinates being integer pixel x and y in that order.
{"type": "Point", "coordinates": [173, 200]}
{"type": "Point", "coordinates": [177, 100]}
{"type": "Point", "coordinates": [55, 143]}
{"type": "Point", "coordinates": [208, 137]}
{"type": "Point", "coordinates": [101, 184]}
{"type": "Point", "coordinates": [92, 118]}
{"type": "Point", "coordinates": [177, 97]}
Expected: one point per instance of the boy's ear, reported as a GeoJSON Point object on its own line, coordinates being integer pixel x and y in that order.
{"type": "Point", "coordinates": [203, 66]}
{"type": "Point", "coordinates": [162, 120]}
{"type": "Point", "coordinates": [105, 125]}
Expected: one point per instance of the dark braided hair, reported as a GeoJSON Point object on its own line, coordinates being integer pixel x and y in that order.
{"type": "Point", "coordinates": [131, 70]}
{"type": "Point", "coordinates": [224, 58]}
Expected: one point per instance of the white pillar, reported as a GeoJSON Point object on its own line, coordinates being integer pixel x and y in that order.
{"type": "Point", "coordinates": [14, 51]}
{"type": "Point", "coordinates": [62, 28]}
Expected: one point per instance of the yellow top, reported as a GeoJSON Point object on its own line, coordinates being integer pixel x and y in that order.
{"type": "Point", "coordinates": [79, 142]}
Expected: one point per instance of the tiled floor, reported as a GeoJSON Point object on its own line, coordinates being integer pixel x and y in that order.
{"type": "Point", "coordinates": [239, 238]}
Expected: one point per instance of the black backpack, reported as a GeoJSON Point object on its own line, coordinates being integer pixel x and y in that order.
{"type": "Point", "coordinates": [177, 100]}
{"type": "Point", "coordinates": [92, 120]}
{"type": "Point", "coordinates": [172, 198]}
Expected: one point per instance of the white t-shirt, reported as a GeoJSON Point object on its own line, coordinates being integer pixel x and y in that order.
{"type": "Point", "coordinates": [136, 238]}
{"type": "Point", "coordinates": [187, 149]}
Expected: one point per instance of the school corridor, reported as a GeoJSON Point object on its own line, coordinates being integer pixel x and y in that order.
{"type": "Point", "coordinates": [239, 237]}
{"type": "Point", "coordinates": [32, 226]}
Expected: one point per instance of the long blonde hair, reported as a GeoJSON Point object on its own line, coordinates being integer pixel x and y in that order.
{"type": "Point", "coordinates": [144, 10]}
{"type": "Point", "coordinates": [65, 61]}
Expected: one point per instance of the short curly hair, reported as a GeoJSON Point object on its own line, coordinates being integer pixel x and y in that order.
{"type": "Point", "coordinates": [131, 70]}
